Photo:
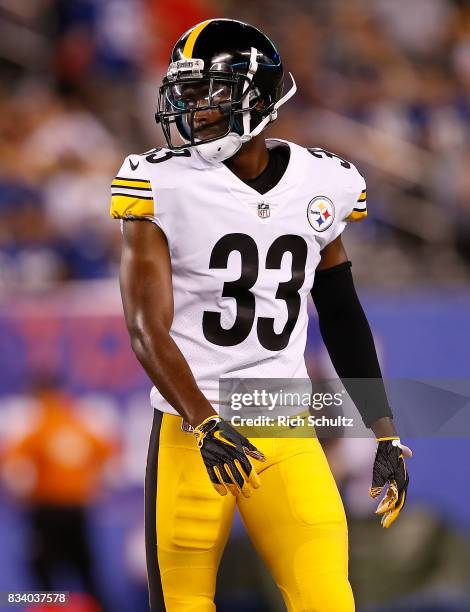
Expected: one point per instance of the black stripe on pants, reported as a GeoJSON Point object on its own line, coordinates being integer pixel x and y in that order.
{"type": "Point", "coordinates": [153, 572]}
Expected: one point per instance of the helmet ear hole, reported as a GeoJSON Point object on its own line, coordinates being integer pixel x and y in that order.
{"type": "Point", "coordinates": [261, 105]}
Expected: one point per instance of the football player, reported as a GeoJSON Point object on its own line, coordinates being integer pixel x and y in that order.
{"type": "Point", "coordinates": [225, 235]}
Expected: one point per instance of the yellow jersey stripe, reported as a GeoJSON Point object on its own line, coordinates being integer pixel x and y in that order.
{"type": "Point", "coordinates": [123, 205]}
{"type": "Point", "coordinates": [357, 215]}
{"type": "Point", "coordinates": [362, 198]}
{"type": "Point", "coordinates": [130, 183]}
{"type": "Point", "coordinates": [189, 44]}
{"type": "Point", "coordinates": [131, 180]}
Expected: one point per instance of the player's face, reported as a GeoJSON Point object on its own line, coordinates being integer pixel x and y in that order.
{"type": "Point", "coordinates": [206, 101]}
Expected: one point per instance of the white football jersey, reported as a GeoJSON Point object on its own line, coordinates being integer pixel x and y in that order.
{"type": "Point", "coordinates": [243, 263]}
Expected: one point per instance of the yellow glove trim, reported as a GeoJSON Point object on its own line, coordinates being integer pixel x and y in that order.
{"type": "Point", "coordinates": [199, 432]}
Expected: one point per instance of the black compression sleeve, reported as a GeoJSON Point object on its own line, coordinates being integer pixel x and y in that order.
{"type": "Point", "coordinates": [349, 342]}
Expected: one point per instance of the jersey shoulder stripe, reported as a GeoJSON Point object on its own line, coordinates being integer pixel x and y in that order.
{"type": "Point", "coordinates": [356, 215]}
{"type": "Point", "coordinates": [363, 196]}
{"type": "Point", "coordinates": [131, 189]}
{"type": "Point", "coordinates": [131, 197]}
{"type": "Point", "coordinates": [132, 183]}
{"type": "Point", "coordinates": [124, 205]}
{"type": "Point", "coordinates": [359, 211]}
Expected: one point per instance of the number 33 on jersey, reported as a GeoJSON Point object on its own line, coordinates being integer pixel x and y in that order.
{"type": "Point", "coordinates": [243, 263]}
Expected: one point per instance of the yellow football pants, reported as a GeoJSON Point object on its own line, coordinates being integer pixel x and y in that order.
{"type": "Point", "coordinates": [295, 520]}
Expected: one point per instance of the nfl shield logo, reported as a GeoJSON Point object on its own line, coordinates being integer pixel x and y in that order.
{"type": "Point", "coordinates": [263, 210]}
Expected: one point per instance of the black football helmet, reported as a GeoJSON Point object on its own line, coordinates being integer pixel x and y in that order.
{"type": "Point", "coordinates": [223, 86]}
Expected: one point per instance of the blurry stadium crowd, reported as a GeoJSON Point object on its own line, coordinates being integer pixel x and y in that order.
{"type": "Point", "coordinates": [384, 83]}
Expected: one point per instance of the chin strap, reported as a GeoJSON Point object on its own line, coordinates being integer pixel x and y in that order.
{"type": "Point", "coordinates": [272, 116]}
{"type": "Point", "coordinates": [252, 68]}
{"type": "Point", "coordinates": [224, 148]}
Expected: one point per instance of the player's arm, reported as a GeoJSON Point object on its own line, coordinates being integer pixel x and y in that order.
{"type": "Point", "coordinates": [147, 296]}
{"type": "Point", "coordinates": [347, 335]}
{"type": "Point", "coordinates": [350, 344]}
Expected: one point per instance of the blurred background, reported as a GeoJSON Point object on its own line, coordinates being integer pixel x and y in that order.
{"type": "Point", "coordinates": [384, 83]}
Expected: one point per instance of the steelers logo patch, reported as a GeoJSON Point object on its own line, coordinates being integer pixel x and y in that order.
{"type": "Point", "coordinates": [320, 213]}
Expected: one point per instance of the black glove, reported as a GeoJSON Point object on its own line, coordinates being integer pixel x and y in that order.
{"type": "Point", "coordinates": [389, 467]}
{"type": "Point", "coordinates": [225, 454]}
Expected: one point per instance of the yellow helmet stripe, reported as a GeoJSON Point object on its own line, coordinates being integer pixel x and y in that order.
{"type": "Point", "coordinates": [189, 44]}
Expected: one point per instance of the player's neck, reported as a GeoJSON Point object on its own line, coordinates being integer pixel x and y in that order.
{"type": "Point", "coordinates": [251, 160]}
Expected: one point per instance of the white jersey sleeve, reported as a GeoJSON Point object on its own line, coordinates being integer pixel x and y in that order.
{"type": "Point", "coordinates": [132, 192]}
{"type": "Point", "coordinates": [343, 200]}
{"type": "Point", "coordinates": [358, 198]}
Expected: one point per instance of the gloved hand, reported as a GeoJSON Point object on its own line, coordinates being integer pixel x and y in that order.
{"type": "Point", "coordinates": [389, 467]}
{"type": "Point", "coordinates": [225, 453]}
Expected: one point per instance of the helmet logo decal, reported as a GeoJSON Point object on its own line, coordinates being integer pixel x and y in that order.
{"type": "Point", "coordinates": [185, 68]}
{"type": "Point", "coordinates": [320, 213]}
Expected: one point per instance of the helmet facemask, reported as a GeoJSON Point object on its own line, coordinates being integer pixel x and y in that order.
{"type": "Point", "coordinates": [195, 111]}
